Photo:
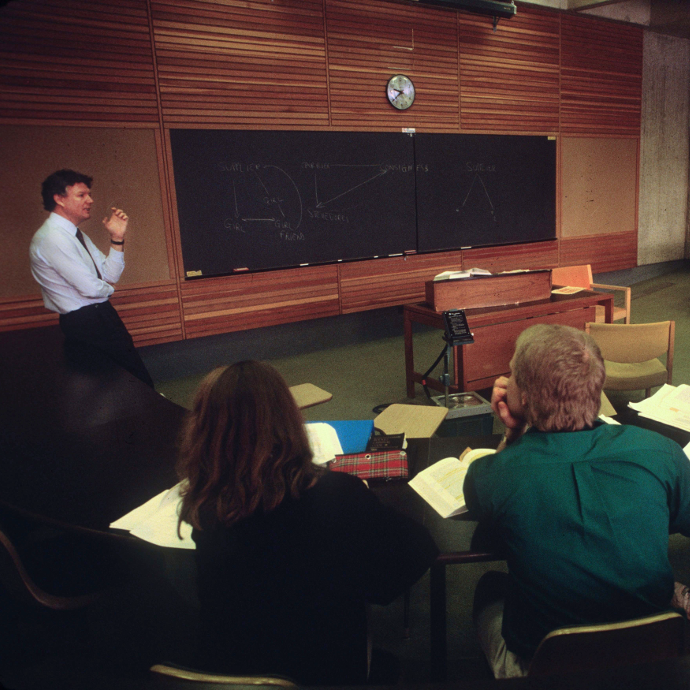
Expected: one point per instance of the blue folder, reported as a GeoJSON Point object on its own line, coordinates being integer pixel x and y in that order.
{"type": "Point", "coordinates": [353, 434]}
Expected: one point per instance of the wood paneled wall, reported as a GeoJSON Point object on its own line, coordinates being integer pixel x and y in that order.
{"type": "Point", "coordinates": [77, 62]}
{"type": "Point", "coordinates": [313, 64]}
{"type": "Point", "coordinates": [510, 77]}
{"type": "Point", "coordinates": [601, 77]}
{"type": "Point", "coordinates": [241, 64]}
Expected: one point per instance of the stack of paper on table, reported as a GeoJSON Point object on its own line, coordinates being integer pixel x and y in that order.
{"type": "Point", "coordinates": [669, 405]}
{"type": "Point", "coordinates": [441, 485]}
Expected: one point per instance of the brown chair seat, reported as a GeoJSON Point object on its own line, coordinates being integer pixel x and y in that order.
{"type": "Point", "coordinates": [621, 376]}
{"type": "Point", "coordinates": [631, 353]}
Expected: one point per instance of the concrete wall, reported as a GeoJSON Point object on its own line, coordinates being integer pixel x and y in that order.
{"type": "Point", "coordinates": [634, 11]}
{"type": "Point", "coordinates": [663, 203]}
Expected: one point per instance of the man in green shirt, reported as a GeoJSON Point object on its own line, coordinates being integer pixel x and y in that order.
{"type": "Point", "coordinates": [581, 509]}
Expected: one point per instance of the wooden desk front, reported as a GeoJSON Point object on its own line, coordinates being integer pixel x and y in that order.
{"type": "Point", "coordinates": [495, 330]}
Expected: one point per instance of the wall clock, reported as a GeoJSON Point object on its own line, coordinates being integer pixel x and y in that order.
{"type": "Point", "coordinates": [400, 91]}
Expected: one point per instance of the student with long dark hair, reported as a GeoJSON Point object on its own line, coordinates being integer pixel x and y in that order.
{"type": "Point", "coordinates": [288, 554]}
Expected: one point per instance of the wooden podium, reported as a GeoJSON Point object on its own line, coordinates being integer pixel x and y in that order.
{"type": "Point", "coordinates": [488, 291]}
{"type": "Point", "coordinates": [495, 331]}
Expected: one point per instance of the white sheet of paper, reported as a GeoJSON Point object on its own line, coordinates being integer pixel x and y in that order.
{"type": "Point", "coordinates": [324, 442]}
{"type": "Point", "coordinates": [156, 521]}
{"type": "Point", "coordinates": [654, 401]}
{"type": "Point", "coordinates": [669, 405]}
{"type": "Point", "coordinates": [608, 420]}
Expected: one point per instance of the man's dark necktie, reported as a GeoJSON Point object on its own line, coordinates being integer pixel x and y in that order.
{"type": "Point", "coordinates": [80, 237]}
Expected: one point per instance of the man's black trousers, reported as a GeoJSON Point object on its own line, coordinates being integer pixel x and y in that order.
{"type": "Point", "coordinates": [100, 326]}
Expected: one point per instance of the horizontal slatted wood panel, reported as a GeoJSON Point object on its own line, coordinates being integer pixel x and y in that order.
{"type": "Point", "coordinates": [241, 64]}
{"type": "Point", "coordinates": [390, 282]}
{"type": "Point", "coordinates": [235, 303]}
{"type": "Point", "coordinates": [25, 312]}
{"type": "Point", "coordinates": [77, 62]}
{"type": "Point", "coordinates": [601, 77]}
{"type": "Point", "coordinates": [512, 256]}
{"type": "Point", "coordinates": [152, 314]}
{"type": "Point", "coordinates": [509, 78]}
{"type": "Point", "coordinates": [620, 252]}
{"type": "Point", "coordinates": [369, 42]}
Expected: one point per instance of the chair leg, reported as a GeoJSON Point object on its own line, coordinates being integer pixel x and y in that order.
{"type": "Point", "coordinates": [648, 392]}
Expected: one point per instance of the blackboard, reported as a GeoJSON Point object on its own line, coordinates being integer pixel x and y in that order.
{"type": "Point", "coordinates": [479, 190]}
{"type": "Point", "coordinates": [265, 199]}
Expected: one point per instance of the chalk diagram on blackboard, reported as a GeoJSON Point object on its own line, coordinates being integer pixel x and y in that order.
{"type": "Point", "coordinates": [481, 199]}
{"type": "Point", "coordinates": [342, 192]}
{"type": "Point", "coordinates": [265, 197]}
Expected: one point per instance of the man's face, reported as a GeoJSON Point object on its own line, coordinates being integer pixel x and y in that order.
{"type": "Point", "coordinates": [514, 396]}
{"type": "Point", "coordinates": [75, 205]}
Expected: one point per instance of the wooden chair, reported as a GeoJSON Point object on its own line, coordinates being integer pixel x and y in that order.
{"type": "Point", "coordinates": [591, 647]}
{"type": "Point", "coordinates": [19, 584]}
{"type": "Point", "coordinates": [631, 353]}
{"type": "Point", "coordinates": [182, 673]}
{"type": "Point", "coordinates": [581, 276]}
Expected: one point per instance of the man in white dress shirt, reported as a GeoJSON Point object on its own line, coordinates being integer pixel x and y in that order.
{"type": "Point", "coordinates": [76, 277]}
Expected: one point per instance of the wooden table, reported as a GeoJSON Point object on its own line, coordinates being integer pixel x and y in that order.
{"type": "Point", "coordinates": [81, 442]}
{"type": "Point", "coordinates": [495, 330]}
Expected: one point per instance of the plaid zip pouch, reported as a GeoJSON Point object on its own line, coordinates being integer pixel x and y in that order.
{"type": "Point", "coordinates": [390, 464]}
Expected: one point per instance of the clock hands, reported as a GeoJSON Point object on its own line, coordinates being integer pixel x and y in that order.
{"type": "Point", "coordinates": [402, 98]}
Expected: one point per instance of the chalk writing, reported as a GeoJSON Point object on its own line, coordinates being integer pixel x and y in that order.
{"type": "Point", "coordinates": [480, 167]}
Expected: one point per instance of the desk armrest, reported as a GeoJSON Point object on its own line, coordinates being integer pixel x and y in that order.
{"type": "Point", "coordinates": [611, 287]}
{"type": "Point", "coordinates": [627, 291]}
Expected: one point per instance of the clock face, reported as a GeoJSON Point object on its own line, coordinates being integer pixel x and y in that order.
{"type": "Point", "coordinates": [400, 92]}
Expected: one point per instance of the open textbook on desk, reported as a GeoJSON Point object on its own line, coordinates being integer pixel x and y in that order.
{"type": "Point", "coordinates": [441, 485]}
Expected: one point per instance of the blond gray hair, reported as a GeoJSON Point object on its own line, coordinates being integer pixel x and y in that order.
{"type": "Point", "coordinates": [560, 371]}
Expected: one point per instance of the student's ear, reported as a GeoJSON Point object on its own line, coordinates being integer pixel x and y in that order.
{"type": "Point", "coordinates": [59, 199]}
{"type": "Point", "coordinates": [523, 398]}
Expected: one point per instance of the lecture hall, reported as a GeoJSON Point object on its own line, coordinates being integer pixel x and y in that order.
{"type": "Point", "coordinates": [295, 174]}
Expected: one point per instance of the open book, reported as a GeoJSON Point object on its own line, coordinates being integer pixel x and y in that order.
{"type": "Point", "coordinates": [468, 273]}
{"type": "Point", "coordinates": [441, 484]}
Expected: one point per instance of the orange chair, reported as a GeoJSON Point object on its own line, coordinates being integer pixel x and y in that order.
{"type": "Point", "coordinates": [581, 276]}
